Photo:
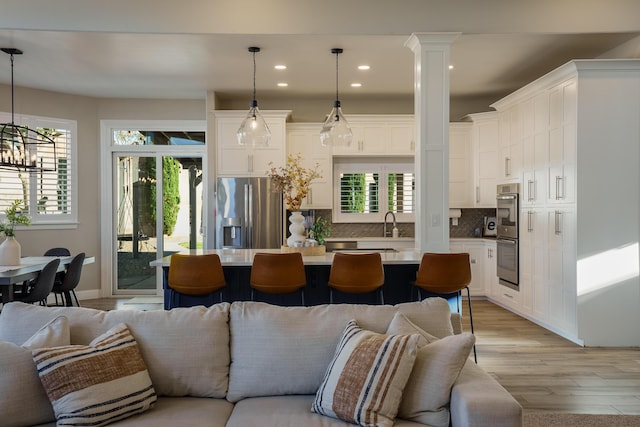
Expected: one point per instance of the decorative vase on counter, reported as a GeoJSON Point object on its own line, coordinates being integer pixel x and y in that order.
{"type": "Point", "coordinates": [296, 228]}
{"type": "Point", "coordinates": [10, 251]}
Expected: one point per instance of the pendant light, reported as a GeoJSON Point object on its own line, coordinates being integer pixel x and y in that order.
{"type": "Point", "coordinates": [335, 129]}
{"type": "Point", "coordinates": [24, 148]}
{"type": "Point", "coordinates": [254, 130]}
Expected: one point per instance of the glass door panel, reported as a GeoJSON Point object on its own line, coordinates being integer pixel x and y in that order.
{"type": "Point", "coordinates": [136, 244]}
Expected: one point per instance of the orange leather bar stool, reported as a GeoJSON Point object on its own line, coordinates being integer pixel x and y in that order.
{"type": "Point", "coordinates": [446, 274]}
{"type": "Point", "coordinates": [194, 275]}
{"type": "Point", "coordinates": [278, 274]}
{"type": "Point", "coordinates": [356, 274]}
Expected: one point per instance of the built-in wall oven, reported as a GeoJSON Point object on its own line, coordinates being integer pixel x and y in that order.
{"type": "Point", "coordinates": [507, 234]}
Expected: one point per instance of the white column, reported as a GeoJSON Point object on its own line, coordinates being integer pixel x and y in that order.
{"type": "Point", "coordinates": [431, 92]}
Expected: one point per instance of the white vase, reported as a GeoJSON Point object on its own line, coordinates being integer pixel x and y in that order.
{"type": "Point", "coordinates": [296, 228]}
{"type": "Point", "coordinates": [10, 251]}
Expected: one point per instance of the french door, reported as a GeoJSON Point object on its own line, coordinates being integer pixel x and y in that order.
{"type": "Point", "coordinates": [157, 197]}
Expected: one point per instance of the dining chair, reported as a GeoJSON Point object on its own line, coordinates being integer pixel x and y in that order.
{"type": "Point", "coordinates": [278, 274]}
{"type": "Point", "coordinates": [446, 275]}
{"type": "Point", "coordinates": [57, 252]}
{"type": "Point", "coordinates": [195, 276]}
{"type": "Point", "coordinates": [66, 287]}
{"type": "Point", "coordinates": [356, 274]}
{"type": "Point", "coordinates": [39, 289]}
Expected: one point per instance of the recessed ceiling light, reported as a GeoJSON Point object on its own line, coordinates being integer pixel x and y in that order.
{"type": "Point", "coordinates": [283, 84]}
{"type": "Point", "coordinates": [356, 84]}
{"type": "Point", "coordinates": [451, 67]}
{"type": "Point", "coordinates": [280, 67]}
{"type": "Point", "coordinates": [363, 67]}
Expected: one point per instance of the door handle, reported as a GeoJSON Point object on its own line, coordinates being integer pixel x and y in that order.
{"type": "Point", "coordinates": [529, 221]}
{"type": "Point", "coordinates": [558, 224]}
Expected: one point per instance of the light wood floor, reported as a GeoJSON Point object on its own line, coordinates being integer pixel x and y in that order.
{"type": "Point", "coordinates": [543, 371]}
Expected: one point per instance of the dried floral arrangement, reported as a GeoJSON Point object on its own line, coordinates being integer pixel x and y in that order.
{"type": "Point", "coordinates": [293, 180]}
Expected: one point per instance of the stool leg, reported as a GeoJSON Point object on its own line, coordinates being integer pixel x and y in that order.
{"type": "Point", "coordinates": [475, 355]}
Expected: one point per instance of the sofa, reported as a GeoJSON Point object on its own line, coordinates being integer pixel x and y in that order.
{"type": "Point", "coordinates": [242, 364]}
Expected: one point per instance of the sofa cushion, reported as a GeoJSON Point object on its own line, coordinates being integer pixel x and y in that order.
{"type": "Point", "coordinates": [286, 350]}
{"type": "Point", "coordinates": [437, 366]}
{"type": "Point", "coordinates": [364, 381]}
{"type": "Point", "coordinates": [200, 367]}
{"type": "Point", "coordinates": [287, 411]}
{"type": "Point", "coordinates": [24, 401]}
{"type": "Point", "coordinates": [96, 384]}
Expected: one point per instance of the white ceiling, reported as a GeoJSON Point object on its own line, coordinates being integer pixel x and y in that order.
{"type": "Point", "coordinates": [99, 56]}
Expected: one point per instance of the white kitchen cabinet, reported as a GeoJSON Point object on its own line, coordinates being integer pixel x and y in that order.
{"type": "Point", "coordinates": [562, 143]}
{"type": "Point", "coordinates": [460, 168]}
{"type": "Point", "coordinates": [304, 139]}
{"type": "Point", "coordinates": [238, 161]}
{"type": "Point", "coordinates": [535, 150]}
{"type": "Point", "coordinates": [584, 142]}
{"type": "Point", "coordinates": [510, 161]}
{"type": "Point", "coordinates": [477, 258]}
{"type": "Point", "coordinates": [402, 137]}
{"type": "Point", "coordinates": [561, 225]}
{"type": "Point", "coordinates": [380, 135]}
{"type": "Point", "coordinates": [485, 140]}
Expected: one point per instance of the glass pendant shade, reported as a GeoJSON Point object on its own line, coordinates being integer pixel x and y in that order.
{"type": "Point", "coordinates": [254, 131]}
{"type": "Point", "coordinates": [335, 129]}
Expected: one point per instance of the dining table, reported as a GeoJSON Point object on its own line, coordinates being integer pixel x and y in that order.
{"type": "Point", "coordinates": [28, 269]}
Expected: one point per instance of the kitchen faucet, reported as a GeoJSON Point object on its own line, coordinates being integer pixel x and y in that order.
{"type": "Point", "coordinates": [393, 216]}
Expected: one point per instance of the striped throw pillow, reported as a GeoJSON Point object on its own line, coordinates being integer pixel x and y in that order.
{"type": "Point", "coordinates": [97, 384]}
{"type": "Point", "coordinates": [364, 381]}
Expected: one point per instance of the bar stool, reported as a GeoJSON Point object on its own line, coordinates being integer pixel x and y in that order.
{"type": "Point", "coordinates": [195, 276]}
{"type": "Point", "coordinates": [444, 275]}
{"type": "Point", "coordinates": [356, 274]}
{"type": "Point", "coordinates": [278, 274]}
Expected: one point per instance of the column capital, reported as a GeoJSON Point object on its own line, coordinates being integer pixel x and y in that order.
{"type": "Point", "coordinates": [416, 40]}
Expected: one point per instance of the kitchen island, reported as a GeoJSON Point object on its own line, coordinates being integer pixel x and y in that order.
{"type": "Point", "coordinates": [400, 269]}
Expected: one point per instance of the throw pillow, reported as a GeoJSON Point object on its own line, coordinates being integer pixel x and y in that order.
{"type": "Point", "coordinates": [438, 363]}
{"type": "Point", "coordinates": [364, 381]}
{"type": "Point", "coordinates": [24, 401]}
{"type": "Point", "coordinates": [96, 384]}
{"type": "Point", "coordinates": [54, 333]}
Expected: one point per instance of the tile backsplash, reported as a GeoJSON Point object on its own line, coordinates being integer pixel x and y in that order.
{"type": "Point", "coordinates": [470, 223]}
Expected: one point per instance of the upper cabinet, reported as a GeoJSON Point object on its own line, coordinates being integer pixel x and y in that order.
{"type": "Point", "coordinates": [380, 135]}
{"type": "Point", "coordinates": [235, 160]}
{"type": "Point", "coordinates": [485, 140]}
{"type": "Point", "coordinates": [304, 139]}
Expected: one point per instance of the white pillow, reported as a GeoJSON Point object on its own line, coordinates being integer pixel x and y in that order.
{"type": "Point", "coordinates": [437, 366]}
{"type": "Point", "coordinates": [364, 381]}
{"type": "Point", "coordinates": [99, 383]}
{"type": "Point", "coordinates": [24, 401]}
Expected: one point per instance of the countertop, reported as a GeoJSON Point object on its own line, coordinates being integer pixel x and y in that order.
{"type": "Point", "coordinates": [244, 257]}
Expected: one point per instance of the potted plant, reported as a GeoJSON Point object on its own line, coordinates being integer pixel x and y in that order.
{"type": "Point", "coordinates": [320, 230]}
{"type": "Point", "coordinates": [10, 250]}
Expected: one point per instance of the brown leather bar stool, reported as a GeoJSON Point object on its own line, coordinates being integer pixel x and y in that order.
{"type": "Point", "coordinates": [194, 275]}
{"type": "Point", "coordinates": [278, 274]}
{"type": "Point", "coordinates": [356, 274]}
{"type": "Point", "coordinates": [444, 275]}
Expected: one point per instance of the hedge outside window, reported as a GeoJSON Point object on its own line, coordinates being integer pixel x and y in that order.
{"type": "Point", "coordinates": [366, 190]}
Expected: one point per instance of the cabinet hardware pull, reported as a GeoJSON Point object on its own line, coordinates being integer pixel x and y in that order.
{"type": "Point", "coordinates": [508, 296]}
{"type": "Point", "coordinates": [529, 221]}
{"type": "Point", "coordinates": [507, 172]}
{"type": "Point", "coordinates": [531, 189]}
{"type": "Point", "coordinates": [477, 194]}
{"type": "Point", "coordinates": [558, 220]}
{"type": "Point", "coordinates": [559, 187]}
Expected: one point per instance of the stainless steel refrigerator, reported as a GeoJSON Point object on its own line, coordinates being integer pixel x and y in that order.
{"type": "Point", "coordinates": [249, 214]}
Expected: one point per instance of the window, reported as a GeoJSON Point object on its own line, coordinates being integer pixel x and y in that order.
{"type": "Point", "coordinates": [366, 190]}
{"type": "Point", "coordinates": [50, 197]}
